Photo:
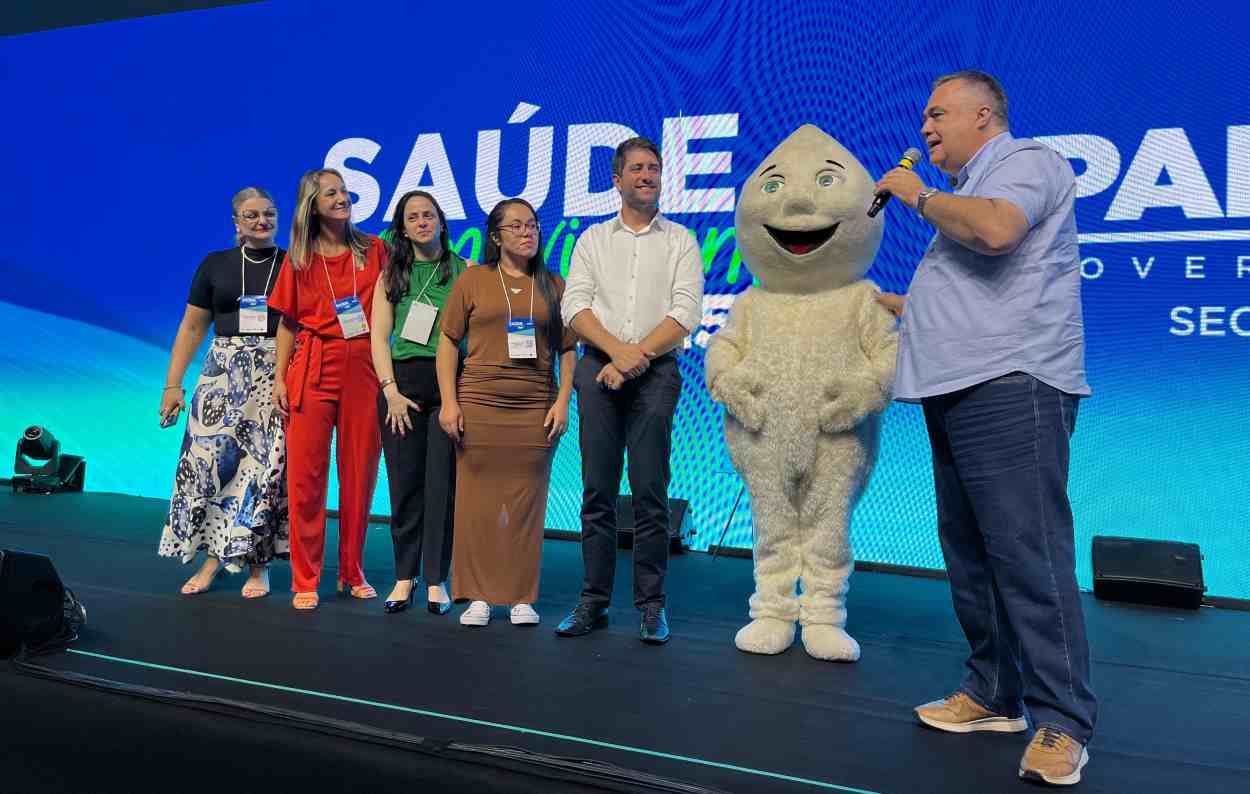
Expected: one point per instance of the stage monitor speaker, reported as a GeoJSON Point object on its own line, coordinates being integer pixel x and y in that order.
{"type": "Point", "coordinates": [679, 524]}
{"type": "Point", "coordinates": [1163, 573]}
{"type": "Point", "coordinates": [36, 611]}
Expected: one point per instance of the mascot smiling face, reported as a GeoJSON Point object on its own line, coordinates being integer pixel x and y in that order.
{"type": "Point", "coordinates": [802, 218]}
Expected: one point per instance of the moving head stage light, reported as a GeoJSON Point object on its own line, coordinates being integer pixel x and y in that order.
{"type": "Point", "coordinates": [39, 466]}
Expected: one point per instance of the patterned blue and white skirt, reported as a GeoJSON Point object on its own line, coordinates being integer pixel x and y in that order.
{"type": "Point", "coordinates": [229, 495]}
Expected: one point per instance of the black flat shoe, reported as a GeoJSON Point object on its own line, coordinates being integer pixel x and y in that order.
{"type": "Point", "coordinates": [584, 619]}
{"type": "Point", "coordinates": [391, 607]}
{"type": "Point", "coordinates": [438, 607]}
{"type": "Point", "coordinates": [654, 628]}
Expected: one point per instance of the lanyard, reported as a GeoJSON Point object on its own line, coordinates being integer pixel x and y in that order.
{"type": "Point", "coordinates": [533, 289]}
{"type": "Point", "coordinates": [331, 283]}
{"type": "Point", "coordinates": [243, 258]}
{"type": "Point", "coordinates": [421, 294]}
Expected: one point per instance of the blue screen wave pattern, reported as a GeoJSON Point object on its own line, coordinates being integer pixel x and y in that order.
{"type": "Point", "coordinates": [136, 134]}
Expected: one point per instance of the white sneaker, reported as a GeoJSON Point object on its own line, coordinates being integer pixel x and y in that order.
{"type": "Point", "coordinates": [524, 615]}
{"type": "Point", "coordinates": [478, 614]}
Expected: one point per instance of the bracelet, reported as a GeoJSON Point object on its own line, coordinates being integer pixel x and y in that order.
{"type": "Point", "coordinates": [382, 384]}
{"type": "Point", "coordinates": [167, 388]}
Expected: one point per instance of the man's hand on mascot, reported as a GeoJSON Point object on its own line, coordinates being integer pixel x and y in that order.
{"type": "Point", "coordinates": [740, 389]}
{"type": "Point", "coordinates": [903, 184]}
{"type": "Point", "coordinates": [610, 377]}
{"type": "Point", "coordinates": [892, 302]}
{"type": "Point", "coordinates": [846, 402]}
{"type": "Point", "coordinates": [630, 360]}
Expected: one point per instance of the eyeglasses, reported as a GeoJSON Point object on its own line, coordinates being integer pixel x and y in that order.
{"type": "Point", "coordinates": [517, 227]}
{"type": "Point", "coordinates": [253, 215]}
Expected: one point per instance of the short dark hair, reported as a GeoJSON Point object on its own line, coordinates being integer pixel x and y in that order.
{"type": "Point", "coordinates": [646, 144]}
{"type": "Point", "coordinates": [998, 97]}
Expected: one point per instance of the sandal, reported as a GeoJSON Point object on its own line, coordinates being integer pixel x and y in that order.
{"type": "Point", "coordinates": [191, 587]}
{"type": "Point", "coordinates": [257, 590]}
{"type": "Point", "coordinates": [305, 600]}
{"type": "Point", "coordinates": [363, 591]}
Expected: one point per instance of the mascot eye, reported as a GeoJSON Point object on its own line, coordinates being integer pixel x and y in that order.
{"type": "Point", "coordinates": [773, 185]}
{"type": "Point", "coordinates": [829, 178]}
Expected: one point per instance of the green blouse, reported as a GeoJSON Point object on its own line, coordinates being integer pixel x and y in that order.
{"type": "Point", "coordinates": [423, 284]}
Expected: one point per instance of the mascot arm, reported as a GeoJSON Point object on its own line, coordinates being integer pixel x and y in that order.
{"type": "Point", "coordinates": [850, 397]}
{"type": "Point", "coordinates": [879, 341]}
{"type": "Point", "coordinates": [729, 380]}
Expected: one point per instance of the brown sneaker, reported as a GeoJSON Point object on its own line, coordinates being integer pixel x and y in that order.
{"type": "Point", "coordinates": [1053, 757]}
{"type": "Point", "coordinates": [961, 714]}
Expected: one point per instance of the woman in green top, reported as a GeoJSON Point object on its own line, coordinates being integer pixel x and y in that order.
{"type": "Point", "coordinates": [420, 458]}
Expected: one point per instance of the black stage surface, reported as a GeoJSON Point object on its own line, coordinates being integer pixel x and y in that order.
{"type": "Point", "coordinates": [1174, 685]}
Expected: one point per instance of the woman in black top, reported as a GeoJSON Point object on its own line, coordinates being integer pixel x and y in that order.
{"type": "Point", "coordinates": [229, 498]}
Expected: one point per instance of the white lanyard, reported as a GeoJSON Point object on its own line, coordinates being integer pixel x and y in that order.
{"type": "Point", "coordinates": [533, 289]}
{"type": "Point", "coordinates": [331, 283]}
{"type": "Point", "coordinates": [350, 314]}
{"type": "Point", "coordinates": [419, 322]}
{"type": "Point", "coordinates": [243, 259]}
{"type": "Point", "coordinates": [421, 294]}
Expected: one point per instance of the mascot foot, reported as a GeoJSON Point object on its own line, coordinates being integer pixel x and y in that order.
{"type": "Point", "coordinates": [765, 635]}
{"type": "Point", "coordinates": [829, 643]}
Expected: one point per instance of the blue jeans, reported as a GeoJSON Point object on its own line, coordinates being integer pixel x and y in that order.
{"type": "Point", "coordinates": [1000, 468]}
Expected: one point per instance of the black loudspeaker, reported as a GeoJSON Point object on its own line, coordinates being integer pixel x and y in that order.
{"type": "Point", "coordinates": [36, 611]}
{"type": "Point", "coordinates": [1163, 573]}
{"type": "Point", "coordinates": [679, 524]}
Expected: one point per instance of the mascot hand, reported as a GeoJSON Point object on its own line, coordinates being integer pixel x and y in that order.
{"type": "Point", "coordinates": [846, 401]}
{"type": "Point", "coordinates": [740, 389]}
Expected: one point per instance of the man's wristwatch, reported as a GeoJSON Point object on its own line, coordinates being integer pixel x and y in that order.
{"type": "Point", "coordinates": [924, 196]}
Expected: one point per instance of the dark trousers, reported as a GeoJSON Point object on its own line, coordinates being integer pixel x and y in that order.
{"type": "Point", "coordinates": [421, 473]}
{"type": "Point", "coordinates": [637, 418]}
{"type": "Point", "coordinates": [1000, 468]}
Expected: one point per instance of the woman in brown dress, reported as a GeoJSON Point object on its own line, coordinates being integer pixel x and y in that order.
{"type": "Point", "coordinates": [505, 413]}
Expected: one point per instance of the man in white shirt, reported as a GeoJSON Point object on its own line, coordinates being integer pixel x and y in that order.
{"type": "Point", "coordinates": [633, 295]}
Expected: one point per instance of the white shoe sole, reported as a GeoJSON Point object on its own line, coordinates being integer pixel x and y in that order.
{"type": "Point", "coordinates": [992, 724]}
{"type": "Point", "coordinates": [467, 619]}
{"type": "Point", "coordinates": [1066, 780]}
{"type": "Point", "coordinates": [528, 620]}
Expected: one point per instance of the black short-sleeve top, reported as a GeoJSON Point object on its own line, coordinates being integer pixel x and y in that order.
{"type": "Point", "coordinates": [224, 276]}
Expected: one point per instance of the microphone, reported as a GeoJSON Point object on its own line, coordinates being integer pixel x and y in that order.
{"type": "Point", "coordinates": [908, 161]}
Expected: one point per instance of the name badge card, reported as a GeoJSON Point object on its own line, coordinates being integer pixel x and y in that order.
{"type": "Point", "coordinates": [420, 323]}
{"type": "Point", "coordinates": [253, 314]}
{"type": "Point", "coordinates": [521, 340]}
{"type": "Point", "coordinates": [351, 317]}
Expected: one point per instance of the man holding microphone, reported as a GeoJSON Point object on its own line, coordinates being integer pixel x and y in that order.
{"type": "Point", "coordinates": [992, 345]}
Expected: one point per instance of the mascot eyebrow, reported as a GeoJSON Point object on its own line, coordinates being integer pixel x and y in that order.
{"type": "Point", "coordinates": [835, 162]}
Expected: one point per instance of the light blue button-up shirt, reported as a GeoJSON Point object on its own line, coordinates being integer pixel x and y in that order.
{"type": "Point", "coordinates": [971, 318]}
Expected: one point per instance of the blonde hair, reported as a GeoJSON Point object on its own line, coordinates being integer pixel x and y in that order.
{"type": "Point", "coordinates": [242, 196]}
{"type": "Point", "coordinates": [305, 225]}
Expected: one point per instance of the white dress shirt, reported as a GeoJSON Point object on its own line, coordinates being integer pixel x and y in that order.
{"type": "Point", "coordinates": [633, 280]}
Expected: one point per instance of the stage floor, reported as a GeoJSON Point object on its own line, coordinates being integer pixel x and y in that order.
{"type": "Point", "coordinates": [1174, 686]}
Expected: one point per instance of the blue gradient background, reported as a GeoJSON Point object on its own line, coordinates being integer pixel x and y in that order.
{"type": "Point", "coordinates": [125, 140]}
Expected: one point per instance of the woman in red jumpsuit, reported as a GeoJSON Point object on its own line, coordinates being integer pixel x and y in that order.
{"type": "Point", "coordinates": [325, 380]}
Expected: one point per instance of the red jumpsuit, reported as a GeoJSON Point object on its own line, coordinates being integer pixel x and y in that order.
{"type": "Point", "coordinates": [330, 384]}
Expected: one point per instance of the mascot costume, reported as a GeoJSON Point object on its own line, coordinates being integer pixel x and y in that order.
{"type": "Point", "coordinates": [804, 367]}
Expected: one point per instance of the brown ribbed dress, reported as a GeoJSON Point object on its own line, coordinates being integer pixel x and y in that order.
{"type": "Point", "coordinates": [503, 464]}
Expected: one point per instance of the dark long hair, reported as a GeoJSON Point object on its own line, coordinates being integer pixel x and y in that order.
{"type": "Point", "coordinates": [535, 267]}
{"type": "Point", "coordinates": [398, 273]}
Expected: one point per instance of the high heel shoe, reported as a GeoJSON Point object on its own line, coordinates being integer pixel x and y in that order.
{"type": "Point", "coordinates": [391, 607]}
{"type": "Point", "coordinates": [363, 591]}
{"type": "Point", "coordinates": [438, 607]}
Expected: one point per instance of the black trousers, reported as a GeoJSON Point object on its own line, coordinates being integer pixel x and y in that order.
{"type": "Point", "coordinates": [421, 473]}
{"type": "Point", "coordinates": [637, 418]}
